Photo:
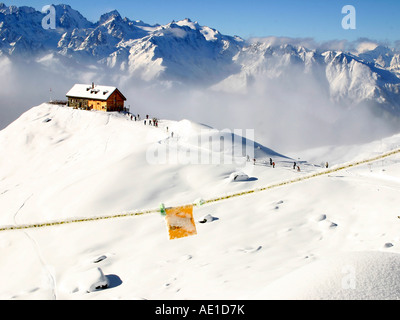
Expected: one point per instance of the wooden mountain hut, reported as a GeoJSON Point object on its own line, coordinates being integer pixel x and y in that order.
{"type": "Point", "coordinates": [95, 97]}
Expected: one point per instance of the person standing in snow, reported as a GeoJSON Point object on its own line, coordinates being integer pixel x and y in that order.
{"type": "Point", "coordinates": [273, 164]}
{"type": "Point", "coordinates": [294, 166]}
{"type": "Point", "coordinates": [270, 161]}
{"type": "Point", "coordinates": [327, 165]}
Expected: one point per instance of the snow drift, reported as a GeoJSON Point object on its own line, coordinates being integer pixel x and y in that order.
{"type": "Point", "coordinates": [351, 276]}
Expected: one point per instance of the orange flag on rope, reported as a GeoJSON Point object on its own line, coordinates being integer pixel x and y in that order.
{"type": "Point", "coordinates": [180, 222]}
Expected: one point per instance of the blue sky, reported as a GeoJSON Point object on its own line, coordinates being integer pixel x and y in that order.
{"type": "Point", "coordinates": [318, 19]}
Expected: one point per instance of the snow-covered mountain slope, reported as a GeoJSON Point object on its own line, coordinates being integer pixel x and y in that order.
{"type": "Point", "coordinates": [383, 57]}
{"type": "Point", "coordinates": [21, 30]}
{"type": "Point", "coordinates": [116, 147]}
{"type": "Point", "coordinates": [61, 163]}
{"type": "Point", "coordinates": [345, 78]}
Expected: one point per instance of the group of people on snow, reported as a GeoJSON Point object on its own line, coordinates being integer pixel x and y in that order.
{"type": "Point", "coordinates": [150, 122]}
{"type": "Point", "coordinates": [272, 164]}
{"type": "Point", "coordinates": [154, 121]}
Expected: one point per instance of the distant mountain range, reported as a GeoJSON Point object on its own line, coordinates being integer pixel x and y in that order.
{"type": "Point", "coordinates": [184, 52]}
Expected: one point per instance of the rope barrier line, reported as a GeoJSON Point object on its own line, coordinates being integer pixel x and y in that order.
{"type": "Point", "coordinates": [80, 220]}
{"type": "Point", "coordinates": [205, 202]}
{"type": "Point", "coordinates": [318, 174]}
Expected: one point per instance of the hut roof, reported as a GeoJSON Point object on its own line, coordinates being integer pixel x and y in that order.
{"type": "Point", "coordinates": [92, 92]}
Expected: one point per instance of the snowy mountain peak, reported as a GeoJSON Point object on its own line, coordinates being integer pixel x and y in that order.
{"type": "Point", "coordinates": [69, 19]}
{"type": "Point", "coordinates": [14, 10]}
{"type": "Point", "coordinates": [110, 16]}
{"type": "Point", "coordinates": [381, 57]}
{"type": "Point", "coordinates": [188, 23]}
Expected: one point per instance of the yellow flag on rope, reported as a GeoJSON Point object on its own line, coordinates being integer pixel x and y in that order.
{"type": "Point", "coordinates": [180, 222]}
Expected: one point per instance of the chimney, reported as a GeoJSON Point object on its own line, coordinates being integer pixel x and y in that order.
{"type": "Point", "coordinates": [92, 85]}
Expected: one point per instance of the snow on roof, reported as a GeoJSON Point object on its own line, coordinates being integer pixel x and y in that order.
{"type": "Point", "coordinates": [86, 91]}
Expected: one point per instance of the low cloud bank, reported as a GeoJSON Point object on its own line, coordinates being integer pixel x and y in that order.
{"type": "Point", "coordinates": [289, 113]}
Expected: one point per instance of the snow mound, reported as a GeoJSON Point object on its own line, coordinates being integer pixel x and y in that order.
{"type": "Point", "coordinates": [238, 176]}
{"type": "Point", "coordinates": [349, 276]}
{"type": "Point", "coordinates": [207, 219]}
{"type": "Point", "coordinates": [187, 128]}
{"type": "Point", "coordinates": [191, 134]}
{"type": "Point", "coordinates": [85, 281]}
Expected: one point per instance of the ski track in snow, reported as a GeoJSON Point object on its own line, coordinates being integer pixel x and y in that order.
{"type": "Point", "coordinates": [50, 277]}
{"type": "Point", "coordinates": [50, 281]}
{"type": "Point", "coordinates": [20, 208]}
